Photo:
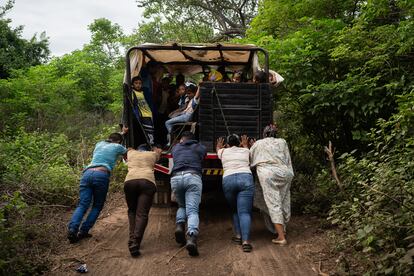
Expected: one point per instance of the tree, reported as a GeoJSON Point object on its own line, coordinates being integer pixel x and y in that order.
{"type": "Point", "coordinates": [17, 52]}
{"type": "Point", "coordinates": [334, 58]}
{"type": "Point", "coordinates": [229, 18]}
{"type": "Point", "coordinates": [106, 38]}
{"type": "Point", "coordinates": [8, 6]}
{"type": "Point", "coordinates": [159, 31]}
{"type": "Point", "coordinates": [282, 17]}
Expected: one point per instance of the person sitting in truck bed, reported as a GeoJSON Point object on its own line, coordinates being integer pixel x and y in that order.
{"type": "Point", "coordinates": [185, 114]}
{"type": "Point", "coordinates": [259, 77]}
{"type": "Point", "coordinates": [163, 109]}
{"type": "Point", "coordinates": [237, 77]}
{"type": "Point", "coordinates": [222, 70]}
{"type": "Point", "coordinates": [178, 99]}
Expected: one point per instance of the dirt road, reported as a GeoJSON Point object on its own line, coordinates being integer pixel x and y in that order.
{"type": "Point", "coordinates": [106, 252]}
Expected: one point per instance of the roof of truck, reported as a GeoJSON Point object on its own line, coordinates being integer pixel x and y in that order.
{"type": "Point", "coordinates": [196, 53]}
{"type": "Point", "coordinates": [190, 58]}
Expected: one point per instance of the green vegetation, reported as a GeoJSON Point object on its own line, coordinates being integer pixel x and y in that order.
{"type": "Point", "coordinates": [349, 78]}
{"type": "Point", "coordinates": [51, 115]}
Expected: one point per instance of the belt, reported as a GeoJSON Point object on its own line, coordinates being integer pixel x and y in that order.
{"type": "Point", "coordinates": [101, 169]}
{"type": "Point", "coordinates": [185, 172]}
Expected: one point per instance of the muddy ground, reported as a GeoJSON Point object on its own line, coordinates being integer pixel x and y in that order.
{"type": "Point", "coordinates": [106, 253]}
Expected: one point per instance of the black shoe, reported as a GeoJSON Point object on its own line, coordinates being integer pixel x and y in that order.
{"type": "Point", "coordinates": [72, 237]}
{"type": "Point", "coordinates": [82, 235]}
{"type": "Point", "coordinates": [180, 233]}
{"type": "Point", "coordinates": [134, 250]}
{"type": "Point", "coordinates": [191, 245]}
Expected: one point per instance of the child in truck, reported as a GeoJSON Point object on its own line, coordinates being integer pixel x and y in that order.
{"type": "Point", "coordinates": [142, 109]}
{"type": "Point", "coordinates": [183, 115]}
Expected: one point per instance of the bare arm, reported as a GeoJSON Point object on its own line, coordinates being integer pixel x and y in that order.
{"type": "Point", "coordinates": [157, 152]}
{"type": "Point", "coordinates": [197, 95]}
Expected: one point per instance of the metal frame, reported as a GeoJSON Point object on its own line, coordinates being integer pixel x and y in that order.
{"type": "Point", "coordinates": [180, 48]}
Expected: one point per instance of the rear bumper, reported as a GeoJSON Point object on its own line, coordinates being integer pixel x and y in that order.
{"type": "Point", "coordinates": [211, 166]}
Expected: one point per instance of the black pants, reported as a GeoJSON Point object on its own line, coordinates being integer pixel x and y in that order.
{"type": "Point", "coordinates": [160, 129]}
{"type": "Point", "coordinates": [139, 194]}
{"type": "Point", "coordinates": [148, 126]}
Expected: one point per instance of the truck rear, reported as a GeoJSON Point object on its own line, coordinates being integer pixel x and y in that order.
{"type": "Point", "coordinates": [225, 107]}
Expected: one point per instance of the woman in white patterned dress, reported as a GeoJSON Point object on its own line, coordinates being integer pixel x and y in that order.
{"type": "Point", "coordinates": [271, 158]}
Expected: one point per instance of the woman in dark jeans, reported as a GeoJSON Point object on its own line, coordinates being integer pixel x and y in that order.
{"type": "Point", "coordinates": [238, 185]}
{"type": "Point", "coordinates": [139, 188]}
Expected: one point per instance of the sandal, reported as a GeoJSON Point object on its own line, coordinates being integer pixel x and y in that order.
{"type": "Point", "coordinates": [247, 247]}
{"type": "Point", "coordinates": [236, 240]}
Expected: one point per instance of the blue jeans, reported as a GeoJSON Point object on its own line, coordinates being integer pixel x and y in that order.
{"type": "Point", "coordinates": [239, 191]}
{"type": "Point", "coordinates": [183, 118]}
{"type": "Point", "coordinates": [187, 189]}
{"type": "Point", "coordinates": [93, 185]}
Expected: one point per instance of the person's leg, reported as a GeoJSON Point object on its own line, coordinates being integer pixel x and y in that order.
{"type": "Point", "coordinates": [192, 201]}
{"type": "Point", "coordinates": [230, 193]}
{"type": "Point", "coordinates": [273, 199]}
{"type": "Point", "coordinates": [145, 198]}
{"type": "Point", "coordinates": [245, 204]}
{"type": "Point", "coordinates": [183, 118]}
{"type": "Point", "coordinates": [285, 194]}
{"type": "Point", "coordinates": [178, 190]}
{"type": "Point", "coordinates": [131, 196]}
{"type": "Point", "coordinates": [100, 184]}
{"type": "Point", "coordinates": [148, 126]}
{"type": "Point", "coordinates": [85, 198]}
{"type": "Point", "coordinates": [160, 130]}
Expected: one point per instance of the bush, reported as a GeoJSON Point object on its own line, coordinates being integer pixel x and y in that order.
{"type": "Point", "coordinates": [39, 166]}
{"type": "Point", "coordinates": [15, 231]}
{"type": "Point", "coordinates": [377, 210]}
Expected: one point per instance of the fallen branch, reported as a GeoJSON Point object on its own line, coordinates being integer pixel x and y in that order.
{"type": "Point", "coordinates": [385, 194]}
{"type": "Point", "coordinates": [320, 270]}
{"type": "Point", "coordinates": [52, 205]}
{"type": "Point", "coordinates": [330, 152]}
{"type": "Point", "coordinates": [175, 254]}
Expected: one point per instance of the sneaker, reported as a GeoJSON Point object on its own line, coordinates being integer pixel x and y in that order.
{"type": "Point", "coordinates": [191, 245]}
{"type": "Point", "coordinates": [72, 237]}
{"type": "Point", "coordinates": [179, 233]}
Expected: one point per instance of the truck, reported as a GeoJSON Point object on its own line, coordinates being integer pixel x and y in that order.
{"type": "Point", "coordinates": [225, 107]}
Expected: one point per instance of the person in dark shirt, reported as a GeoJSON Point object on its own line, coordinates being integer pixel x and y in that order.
{"type": "Point", "coordinates": [186, 184]}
